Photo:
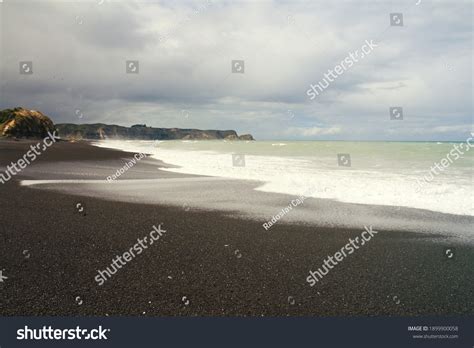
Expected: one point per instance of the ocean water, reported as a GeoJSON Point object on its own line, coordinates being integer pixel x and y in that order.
{"type": "Point", "coordinates": [381, 173]}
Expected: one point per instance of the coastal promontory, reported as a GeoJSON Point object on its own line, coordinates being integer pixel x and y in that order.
{"type": "Point", "coordinates": [24, 123]}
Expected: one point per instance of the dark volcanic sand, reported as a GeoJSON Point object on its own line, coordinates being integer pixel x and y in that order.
{"type": "Point", "coordinates": [394, 274]}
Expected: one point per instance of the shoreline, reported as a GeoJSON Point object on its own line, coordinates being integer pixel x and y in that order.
{"type": "Point", "coordinates": [159, 187]}
{"type": "Point", "coordinates": [373, 180]}
{"type": "Point", "coordinates": [51, 253]}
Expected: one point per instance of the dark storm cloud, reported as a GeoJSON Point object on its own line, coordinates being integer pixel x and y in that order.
{"type": "Point", "coordinates": [185, 49]}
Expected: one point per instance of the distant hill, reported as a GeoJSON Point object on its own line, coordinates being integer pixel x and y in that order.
{"type": "Point", "coordinates": [142, 132]}
{"type": "Point", "coordinates": [23, 123]}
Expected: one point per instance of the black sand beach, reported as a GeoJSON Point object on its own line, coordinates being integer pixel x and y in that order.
{"type": "Point", "coordinates": [222, 265]}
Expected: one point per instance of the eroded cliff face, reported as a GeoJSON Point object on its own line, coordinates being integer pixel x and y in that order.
{"type": "Point", "coordinates": [23, 123]}
{"type": "Point", "coordinates": [246, 137]}
{"type": "Point", "coordinates": [141, 132]}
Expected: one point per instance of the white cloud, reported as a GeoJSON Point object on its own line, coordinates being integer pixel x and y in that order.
{"type": "Point", "coordinates": [424, 66]}
{"type": "Point", "coordinates": [313, 131]}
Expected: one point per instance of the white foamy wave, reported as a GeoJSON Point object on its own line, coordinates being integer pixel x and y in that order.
{"type": "Point", "coordinates": [302, 175]}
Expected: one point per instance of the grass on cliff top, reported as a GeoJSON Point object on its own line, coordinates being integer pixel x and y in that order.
{"type": "Point", "coordinates": [7, 115]}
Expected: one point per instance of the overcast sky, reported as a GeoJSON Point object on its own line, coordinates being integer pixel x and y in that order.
{"type": "Point", "coordinates": [79, 51]}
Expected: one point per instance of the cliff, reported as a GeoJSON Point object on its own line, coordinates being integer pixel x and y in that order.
{"type": "Point", "coordinates": [142, 132]}
{"type": "Point", "coordinates": [24, 123]}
